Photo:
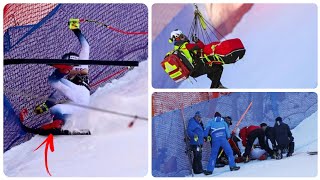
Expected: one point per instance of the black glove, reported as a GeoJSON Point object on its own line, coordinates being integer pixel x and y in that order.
{"type": "Point", "coordinates": [201, 123]}
{"type": "Point", "coordinates": [194, 38]}
{"type": "Point", "coordinates": [77, 32]}
{"type": "Point", "coordinates": [274, 147]}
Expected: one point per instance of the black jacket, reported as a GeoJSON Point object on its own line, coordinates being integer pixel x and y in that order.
{"type": "Point", "coordinates": [270, 135]}
{"type": "Point", "coordinates": [282, 134]}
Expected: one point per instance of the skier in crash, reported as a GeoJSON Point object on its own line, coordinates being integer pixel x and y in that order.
{"type": "Point", "coordinates": [219, 135]}
{"type": "Point", "coordinates": [283, 137]}
{"type": "Point", "coordinates": [191, 52]}
{"type": "Point", "coordinates": [69, 81]}
{"type": "Point", "coordinates": [195, 132]}
{"type": "Point", "coordinates": [248, 135]}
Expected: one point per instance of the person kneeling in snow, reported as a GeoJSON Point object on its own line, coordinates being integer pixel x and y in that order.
{"type": "Point", "coordinates": [284, 138]}
{"type": "Point", "coordinates": [248, 136]}
{"type": "Point", "coordinates": [219, 135]}
{"type": "Point", "coordinates": [75, 86]}
{"type": "Point", "coordinates": [270, 136]}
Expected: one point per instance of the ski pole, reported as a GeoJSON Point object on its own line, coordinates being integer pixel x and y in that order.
{"type": "Point", "coordinates": [238, 123]}
{"type": "Point", "coordinates": [241, 118]}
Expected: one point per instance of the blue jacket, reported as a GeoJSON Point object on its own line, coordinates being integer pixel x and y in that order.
{"type": "Point", "coordinates": [218, 129]}
{"type": "Point", "coordinates": [195, 128]}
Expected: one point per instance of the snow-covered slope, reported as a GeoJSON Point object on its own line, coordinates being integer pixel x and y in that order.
{"type": "Point", "coordinates": [299, 165]}
{"type": "Point", "coordinates": [281, 43]}
{"type": "Point", "coordinates": [113, 149]}
{"type": "Point", "coordinates": [306, 134]}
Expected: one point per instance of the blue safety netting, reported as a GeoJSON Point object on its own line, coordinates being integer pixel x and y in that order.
{"type": "Point", "coordinates": [168, 145]}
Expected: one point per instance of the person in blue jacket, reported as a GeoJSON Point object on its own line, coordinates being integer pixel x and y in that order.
{"type": "Point", "coordinates": [195, 132]}
{"type": "Point", "coordinates": [220, 134]}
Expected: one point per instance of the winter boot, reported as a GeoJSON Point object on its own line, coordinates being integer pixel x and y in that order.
{"type": "Point", "coordinates": [274, 155]}
{"type": "Point", "coordinates": [279, 155]}
{"type": "Point", "coordinates": [234, 168]}
{"type": "Point", "coordinates": [289, 154]}
{"type": "Point", "coordinates": [219, 165]}
{"type": "Point", "coordinates": [56, 124]}
{"type": "Point", "coordinates": [207, 172]}
{"type": "Point", "coordinates": [246, 159]}
{"type": "Point", "coordinates": [41, 108]}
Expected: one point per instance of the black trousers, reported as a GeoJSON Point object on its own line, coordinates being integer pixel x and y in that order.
{"type": "Point", "coordinates": [290, 147]}
{"type": "Point", "coordinates": [197, 159]}
{"type": "Point", "coordinates": [213, 72]}
{"type": "Point", "coordinates": [257, 133]}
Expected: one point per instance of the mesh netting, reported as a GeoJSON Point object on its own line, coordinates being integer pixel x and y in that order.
{"type": "Point", "coordinates": [41, 31]}
{"type": "Point", "coordinates": [24, 17]}
{"type": "Point", "coordinates": [164, 102]}
{"type": "Point", "coordinates": [168, 146]}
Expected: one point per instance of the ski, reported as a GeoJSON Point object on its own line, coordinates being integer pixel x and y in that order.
{"type": "Point", "coordinates": [24, 113]}
{"type": "Point", "coordinates": [313, 152]}
{"type": "Point", "coordinates": [188, 150]}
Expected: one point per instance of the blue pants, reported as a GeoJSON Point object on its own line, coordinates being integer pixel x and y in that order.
{"type": "Point", "coordinates": [216, 144]}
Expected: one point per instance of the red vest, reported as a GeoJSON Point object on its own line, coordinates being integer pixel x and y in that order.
{"type": "Point", "coordinates": [244, 132]}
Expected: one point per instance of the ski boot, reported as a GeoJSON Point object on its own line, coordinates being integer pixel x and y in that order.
{"type": "Point", "coordinates": [41, 108]}
{"type": "Point", "coordinates": [56, 124]}
{"type": "Point", "coordinates": [234, 168]}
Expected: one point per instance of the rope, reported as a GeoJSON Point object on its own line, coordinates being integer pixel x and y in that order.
{"type": "Point", "coordinates": [214, 29]}
{"type": "Point", "coordinates": [199, 19]}
{"type": "Point", "coordinates": [113, 28]}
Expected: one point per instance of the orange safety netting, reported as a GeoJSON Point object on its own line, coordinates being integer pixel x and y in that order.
{"type": "Point", "coordinates": [24, 17]}
{"type": "Point", "coordinates": [164, 102]}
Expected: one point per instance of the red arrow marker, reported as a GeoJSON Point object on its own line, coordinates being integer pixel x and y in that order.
{"type": "Point", "coordinates": [48, 141]}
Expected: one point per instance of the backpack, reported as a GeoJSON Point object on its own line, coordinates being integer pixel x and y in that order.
{"type": "Point", "coordinates": [175, 68]}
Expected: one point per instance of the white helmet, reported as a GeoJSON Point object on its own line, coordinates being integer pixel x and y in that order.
{"type": "Point", "coordinates": [176, 33]}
